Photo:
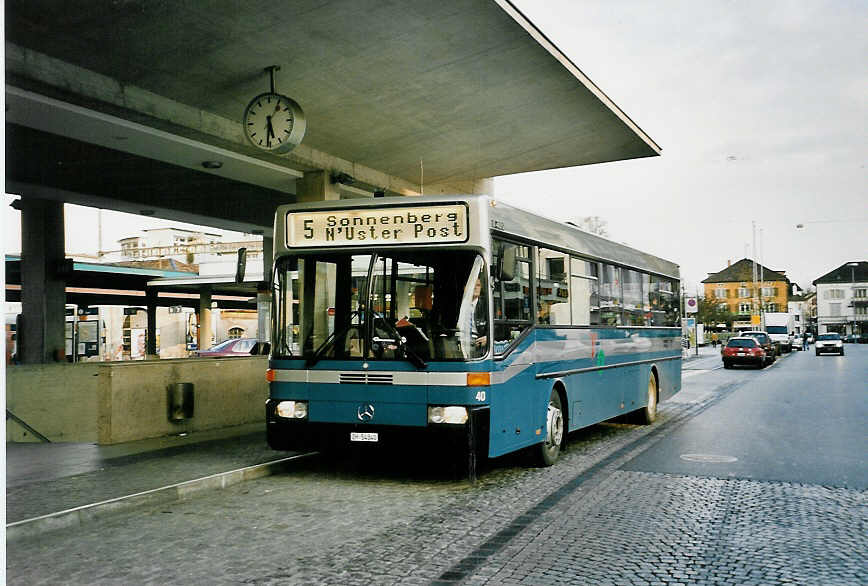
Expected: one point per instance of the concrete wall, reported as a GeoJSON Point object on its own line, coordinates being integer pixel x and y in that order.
{"type": "Point", "coordinates": [57, 400]}
{"type": "Point", "coordinates": [118, 402]}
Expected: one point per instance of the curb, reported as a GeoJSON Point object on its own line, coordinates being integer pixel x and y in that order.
{"type": "Point", "coordinates": [78, 516]}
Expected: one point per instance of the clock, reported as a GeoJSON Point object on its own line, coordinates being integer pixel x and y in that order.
{"type": "Point", "coordinates": [274, 123]}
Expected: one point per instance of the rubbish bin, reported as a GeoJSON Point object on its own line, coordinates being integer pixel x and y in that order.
{"type": "Point", "coordinates": [180, 401]}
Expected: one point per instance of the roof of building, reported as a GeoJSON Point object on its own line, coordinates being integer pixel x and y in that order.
{"type": "Point", "coordinates": [742, 271]}
{"type": "Point", "coordinates": [849, 272]}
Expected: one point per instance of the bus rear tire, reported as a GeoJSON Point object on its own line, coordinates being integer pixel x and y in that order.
{"type": "Point", "coordinates": [648, 414]}
{"type": "Point", "coordinates": [549, 450]}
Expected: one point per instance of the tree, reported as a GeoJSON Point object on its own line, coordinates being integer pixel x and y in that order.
{"type": "Point", "coordinates": [711, 313]}
{"type": "Point", "coordinates": [593, 224]}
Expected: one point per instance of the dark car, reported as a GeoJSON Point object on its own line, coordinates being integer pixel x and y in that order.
{"type": "Point", "coordinates": [764, 340]}
{"type": "Point", "coordinates": [743, 350]}
{"type": "Point", "coordinates": [231, 347]}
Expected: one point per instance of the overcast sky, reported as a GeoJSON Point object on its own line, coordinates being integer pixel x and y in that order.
{"type": "Point", "coordinates": [760, 108]}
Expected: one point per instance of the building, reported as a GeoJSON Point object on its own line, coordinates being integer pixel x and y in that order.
{"type": "Point", "coordinates": [842, 299]}
{"type": "Point", "coordinates": [734, 288]}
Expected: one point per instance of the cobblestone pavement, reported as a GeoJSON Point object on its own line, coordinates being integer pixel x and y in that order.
{"type": "Point", "coordinates": [582, 521]}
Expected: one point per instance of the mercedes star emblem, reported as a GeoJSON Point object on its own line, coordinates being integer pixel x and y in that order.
{"type": "Point", "coordinates": [365, 412]}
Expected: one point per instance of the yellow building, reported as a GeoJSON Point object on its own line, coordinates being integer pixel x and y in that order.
{"type": "Point", "coordinates": [734, 288]}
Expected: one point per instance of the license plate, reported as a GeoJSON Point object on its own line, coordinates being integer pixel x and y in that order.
{"type": "Point", "coordinates": [364, 437]}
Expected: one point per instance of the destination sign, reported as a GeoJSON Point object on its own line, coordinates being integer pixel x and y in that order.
{"type": "Point", "coordinates": [435, 224]}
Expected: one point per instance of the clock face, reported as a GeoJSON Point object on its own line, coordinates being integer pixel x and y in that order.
{"type": "Point", "coordinates": [273, 122]}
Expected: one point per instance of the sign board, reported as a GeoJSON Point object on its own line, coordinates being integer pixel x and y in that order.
{"type": "Point", "coordinates": [755, 320]}
{"type": "Point", "coordinates": [434, 224]}
{"type": "Point", "coordinates": [691, 305]}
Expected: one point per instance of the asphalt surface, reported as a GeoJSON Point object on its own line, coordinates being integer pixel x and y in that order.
{"type": "Point", "coordinates": [800, 420]}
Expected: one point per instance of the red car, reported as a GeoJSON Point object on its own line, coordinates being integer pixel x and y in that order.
{"type": "Point", "coordinates": [231, 347]}
{"type": "Point", "coordinates": [743, 350]}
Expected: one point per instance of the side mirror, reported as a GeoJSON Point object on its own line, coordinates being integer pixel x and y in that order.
{"type": "Point", "coordinates": [505, 270]}
{"type": "Point", "coordinates": [241, 265]}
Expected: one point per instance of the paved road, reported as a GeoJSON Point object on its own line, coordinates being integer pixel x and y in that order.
{"type": "Point", "coordinates": [621, 507]}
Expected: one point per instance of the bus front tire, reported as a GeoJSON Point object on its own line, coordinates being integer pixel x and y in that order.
{"type": "Point", "coordinates": [550, 449]}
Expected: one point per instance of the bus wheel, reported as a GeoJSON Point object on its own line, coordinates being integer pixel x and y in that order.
{"type": "Point", "coordinates": [648, 414]}
{"type": "Point", "coordinates": [550, 449]}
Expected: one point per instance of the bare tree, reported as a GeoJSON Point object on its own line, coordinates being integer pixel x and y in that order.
{"type": "Point", "coordinates": [592, 224]}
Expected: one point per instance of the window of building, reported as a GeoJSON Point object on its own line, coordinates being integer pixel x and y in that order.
{"type": "Point", "coordinates": [835, 310]}
{"type": "Point", "coordinates": [772, 307]}
{"type": "Point", "coordinates": [720, 293]}
{"type": "Point", "coordinates": [860, 293]}
{"type": "Point", "coordinates": [236, 332]}
{"type": "Point", "coordinates": [834, 294]}
{"type": "Point", "coordinates": [743, 292]}
{"type": "Point", "coordinates": [862, 310]}
{"type": "Point", "coordinates": [744, 307]}
{"type": "Point", "coordinates": [770, 291]}
{"type": "Point", "coordinates": [723, 307]}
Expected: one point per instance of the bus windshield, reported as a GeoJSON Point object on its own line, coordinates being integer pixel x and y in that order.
{"type": "Point", "coordinates": [397, 305]}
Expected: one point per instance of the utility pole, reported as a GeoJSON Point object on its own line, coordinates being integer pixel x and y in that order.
{"type": "Point", "coordinates": [753, 296]}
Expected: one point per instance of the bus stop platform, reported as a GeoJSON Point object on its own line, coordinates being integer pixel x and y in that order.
{"type": "Point", "coordinates": [54, 485]}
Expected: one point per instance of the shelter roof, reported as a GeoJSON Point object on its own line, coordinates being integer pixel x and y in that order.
{"type": "Point", "coordinates": [454, 90]}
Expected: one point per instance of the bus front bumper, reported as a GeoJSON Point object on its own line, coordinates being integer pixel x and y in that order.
{"type": "Point", "coordinates": [301, 434]}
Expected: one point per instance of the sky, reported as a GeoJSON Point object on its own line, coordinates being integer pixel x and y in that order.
{"type": "Point", "coordinates": [761, 109]}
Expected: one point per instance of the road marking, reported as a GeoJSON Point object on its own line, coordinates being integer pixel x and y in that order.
{"type": "Point", "coordinates": [709, 458]}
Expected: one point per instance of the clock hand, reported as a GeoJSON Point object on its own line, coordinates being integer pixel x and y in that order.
{"type": "Point", "coordinates": [269, 127]}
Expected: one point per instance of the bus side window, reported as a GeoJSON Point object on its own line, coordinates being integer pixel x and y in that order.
{"type": "Point", "coordinates": [610, 296]}
{"type": "Point", "coordinates": [553, 289]}
{"type": "Point", "coordinates": [585, 292]}
{"type": "Point", "coordinates": [512, 298]}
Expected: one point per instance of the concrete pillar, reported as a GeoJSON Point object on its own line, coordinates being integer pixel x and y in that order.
{"type": "Point", "coordinates": [43, 286]}
{"type": "Point", "coordinates": [316, 186]}
{"type": "Point", "coordinates": [263, 293]}
{"type": "Point", "coordinates": [151, 338]}
{"type": "Point", "coordinates": [205, 320]}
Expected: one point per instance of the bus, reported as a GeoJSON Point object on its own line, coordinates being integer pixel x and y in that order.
{"type": "Point", "coordinates": [462, 321]}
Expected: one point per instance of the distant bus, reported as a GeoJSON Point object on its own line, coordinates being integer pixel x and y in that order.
{"type": "Point", "coordinates": [464, 321]}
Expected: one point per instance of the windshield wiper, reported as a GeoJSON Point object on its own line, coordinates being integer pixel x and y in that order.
{"type": "Point", "coordinates": [331, 339]}
{"type": "Point", "coordinates": [409, 353]}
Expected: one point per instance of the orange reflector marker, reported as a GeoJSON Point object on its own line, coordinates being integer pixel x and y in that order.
{"type": "Point", "coordinates": [478, 379]}
{"type": "Point", "coordinates": [269, 375]}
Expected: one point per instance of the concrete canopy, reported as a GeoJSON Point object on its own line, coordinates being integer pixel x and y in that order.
{"type": "Point", "coordinates": [145, 91]}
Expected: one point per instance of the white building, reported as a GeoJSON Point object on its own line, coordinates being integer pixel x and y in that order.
{"type": "Point", "coordinates": [842, 299]}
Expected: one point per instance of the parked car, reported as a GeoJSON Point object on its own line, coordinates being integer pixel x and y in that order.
{"type": "Point", "coordinates": [829, 343]}
{"type": "Point", "coordinates": [743, 350]}
{"type": "Point", "coordinates": [851, 338]}
{"type": "Point", "coordinates": [797, 342]}
{"type": "Point", "coordinates": [231, 347]}
{"type": "Point", "coordinates": [768, 345]}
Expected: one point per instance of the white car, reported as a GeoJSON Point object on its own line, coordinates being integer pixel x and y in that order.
{"type": "Point", "coordinates": [830, 343]}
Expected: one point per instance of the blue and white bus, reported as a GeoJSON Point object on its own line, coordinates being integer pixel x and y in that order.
{"type": "Point", "coordinates": [461, 320]}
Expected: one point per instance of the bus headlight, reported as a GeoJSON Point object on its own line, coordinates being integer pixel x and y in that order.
{"type": "Point", "coordinates": [292, 409]}
{"type": "Point", "coordinates": [452, 414]}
